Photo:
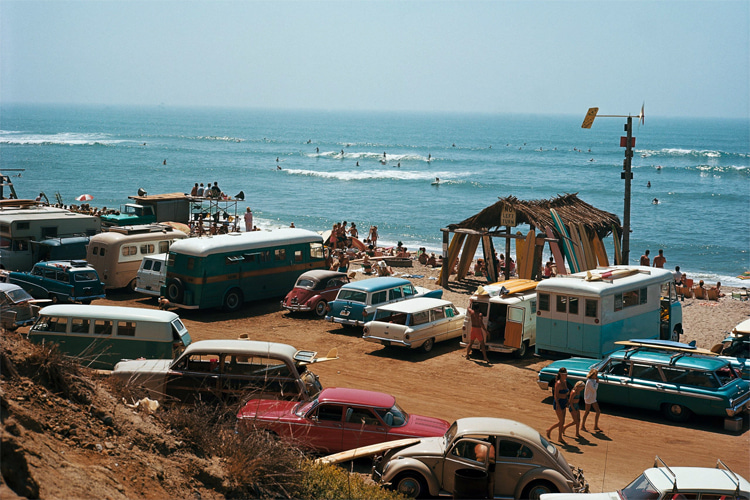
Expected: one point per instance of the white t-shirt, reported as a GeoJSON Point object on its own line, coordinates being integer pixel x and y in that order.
{"type": "Point", "coordinates": [589, 393]}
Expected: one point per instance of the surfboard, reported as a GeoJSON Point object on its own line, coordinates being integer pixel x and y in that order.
{"type": "Point", "coordinates": [743, 328]}
{"type": "Point", "coordinates": [528, 260]}
{"type": "Point", "coordinates": [567, 245]}
{"type": "Point", "coordinates": [356, 243]}
{"type": "Point", "coordinates": [665, 345]}
{"type": "Point", "coordinates": [618, 252]}
{"type": "Point", "coordinates": [578, 252]}
{"type": "Point", "coordinates": [520, 253]}
{"type": "Point", "coordinates": [536, 268]}
{"type": "Point", "coordinates": [588, 249]}
{"type": "Point", "coordinates": [467, 255]}
{"type": "Point", "coordinates": [556, 253]}
{"type": "Point", "coordinates": [609, 275]}
{"type": "Point", "coordinates": [453, 248]}
{"type": "Point", "coordinates": [601, 252]}
{"type": "Point", "coordinates": [514, 286]}
{"type": "Point", "coordinates": [364, 451]}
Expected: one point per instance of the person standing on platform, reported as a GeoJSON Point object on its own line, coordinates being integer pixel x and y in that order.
{"type": "Point", "coordinates": [248, 220]}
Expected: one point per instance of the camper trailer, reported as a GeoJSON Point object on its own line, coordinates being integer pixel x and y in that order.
{"type": "Point", "coordinates": [585, 313]}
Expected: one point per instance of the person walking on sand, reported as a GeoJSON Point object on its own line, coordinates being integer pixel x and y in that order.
{"type": "Point", "coordinates": [559, 402]}
{"type": "Point", "coordinates": [575, 407]}
{"type": "Point", "coordinates": [589, 397]}
{"type": "Point", "coordinates": [660, 260]}
{"type": "Point", "coordinates": [645, 260]}
{"type": "Point", "coordinates": [477, 332]}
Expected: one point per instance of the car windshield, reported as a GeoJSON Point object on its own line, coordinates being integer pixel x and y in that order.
{"type": "Point", "coordinates": [18, 295]}
{"type": "Point", "coordinates": [640, 489]}
{"type": "Point", "coordinates": [450, 434]}
{"type": "Point", "coordinates": [551, 449]}
{"type": "Point", "coordinates": [352, 295]}
{"type": "Point", "coordinates": [393, 416]}
{"type": "Point", "coordinates": [303, 407]}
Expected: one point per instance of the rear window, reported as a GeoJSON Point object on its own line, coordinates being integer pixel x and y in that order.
{"type": "Point", "coordinates": [352, 295]}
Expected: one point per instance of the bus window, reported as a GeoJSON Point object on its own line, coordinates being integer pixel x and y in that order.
{"type": "Point", "coordinates": [561, 306]}
{"type": "Point", "coordinates": [129, 250]}
{"type": "Point", "coordinates": [102, 327]}
{"type": "Point", "coordinates": [233, 259]}
{"type": "Point", "coordinates": [573, 305]}
{"type": "Point", "coordinates": [95, 251]}
{"type": "Point", "coordinates": [592, 306]}
{"type": "Point", "coordinates": [163, 246]}
{"type": "Point", "coordinates": [544, 302]}
{"type": "Point", "coordinates": [316, 251]}
{"type": "Point", "coordinates": [79, 325]}
{"type": "Point", "coordinates": [147, 248]}
{"type": "Point", "coordinates": [280, 254]}
{"type": "Point", "coordinates": [618, 302]}
{"type": "Point", "coordinates": [298, 256]}
{"type": "Point", "coordinates": [644, 295]}
{"type": "Point", "coordinates": [630, 298]}
{"type": "Point", "coordinates": [126, 328]}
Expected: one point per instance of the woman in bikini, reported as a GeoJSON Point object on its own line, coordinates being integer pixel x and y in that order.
{"type": "Point", "coordinates": [575, 407]}
{"type": "Point", "coordinates": [560, 402]}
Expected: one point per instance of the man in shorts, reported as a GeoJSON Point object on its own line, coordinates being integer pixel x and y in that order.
{"type": "Point", "coordinates": [477, 333]}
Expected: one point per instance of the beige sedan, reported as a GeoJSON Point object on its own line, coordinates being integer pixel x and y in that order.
{"type": "Point", "coordinates": [415, 323]}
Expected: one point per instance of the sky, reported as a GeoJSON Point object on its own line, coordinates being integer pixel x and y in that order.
{"type": "Point", "coordinates": [682, 58]}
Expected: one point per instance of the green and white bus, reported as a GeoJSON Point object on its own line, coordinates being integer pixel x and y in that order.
{"type": "Point", "coordinates": [229, 269]}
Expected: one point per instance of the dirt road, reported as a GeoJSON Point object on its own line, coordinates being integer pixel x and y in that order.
{"type": "Point", "coordinates": [444, 384]}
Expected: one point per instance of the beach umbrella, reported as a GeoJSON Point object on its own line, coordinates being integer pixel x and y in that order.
{"type": "Point", "coordinates": [84, 197]}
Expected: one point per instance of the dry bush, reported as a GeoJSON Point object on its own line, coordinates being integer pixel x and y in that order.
{"type": "Point", "coordinates": [328, 482]}
{"type": "Point", "coordinates": [47, 366]}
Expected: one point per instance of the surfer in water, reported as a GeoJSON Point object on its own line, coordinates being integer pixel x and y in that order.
{"type": "Point", "coordinates": [649, 184]}
{"type": "Point", "coordinates": [655, 201]}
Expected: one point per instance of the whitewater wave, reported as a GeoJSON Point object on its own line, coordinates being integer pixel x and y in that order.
{"type": "Point", "coordinates": [695, 153]}
{"type": "Point", "coordinates": [703, 169]}
{"type": "Point", "coordinates": [218, 138]}
{"type": "Point", "coordinates": [446, 177]}
{"type": "Point", "coordinates": [368, 155]}
{"type": "Point", "coordinates": [64, 139]}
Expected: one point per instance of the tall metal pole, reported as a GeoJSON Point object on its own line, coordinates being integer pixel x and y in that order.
{"type": "Point", "coordinates": [627, 174]}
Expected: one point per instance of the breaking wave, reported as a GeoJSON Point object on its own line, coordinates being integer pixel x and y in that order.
{"type": "Point", "coordinates": [63, 139]}
{"type": "Point", "coordinates": [446, 177]}
{"type": "Point", "coordinates": [366, 155]}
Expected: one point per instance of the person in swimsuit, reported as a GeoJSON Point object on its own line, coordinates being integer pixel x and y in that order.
{"type": "Point", "coordinates": [589, 397]}
{"type": "Point", "coordinates": [560, 402]}
{"type": "Point", "coordinates": [575, 407]}
{"type": "Point", "coordinates": [477, 333]}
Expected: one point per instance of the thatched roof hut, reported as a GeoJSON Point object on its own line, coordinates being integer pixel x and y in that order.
{"type": "Point", "coordinates": [486, 224]}
{"type": "Point", "coordinates": [536, 213]}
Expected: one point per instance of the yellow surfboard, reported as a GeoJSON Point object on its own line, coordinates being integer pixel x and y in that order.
{"type": "Point", "coordinates": [529, 248]}
{"type": "Point", "coordinates": [516, 285]}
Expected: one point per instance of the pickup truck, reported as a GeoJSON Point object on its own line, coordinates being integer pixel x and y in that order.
{"type": "Point", "coordinates": [131, 214]}
{"type": "Point", "coordinates": [61, 281]}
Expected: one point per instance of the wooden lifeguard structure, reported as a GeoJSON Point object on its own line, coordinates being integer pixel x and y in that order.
{"type": "Point", "coordinates": [497, 221]}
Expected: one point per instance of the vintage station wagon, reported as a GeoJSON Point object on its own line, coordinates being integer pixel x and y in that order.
{"type": "Point", "coordinates": [61, 281]}
{"type": "Point", "coordinates": [415, 323]}
{"type": "Point", "coordinates": [677, 383]}
{"type": "Point", "coordinates": [17, 307]}
{"type": "Point", "coordinates": [356, 302]}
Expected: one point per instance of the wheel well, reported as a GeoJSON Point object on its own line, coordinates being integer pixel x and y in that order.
{"type": "Point", "coordinates": [536, 483]}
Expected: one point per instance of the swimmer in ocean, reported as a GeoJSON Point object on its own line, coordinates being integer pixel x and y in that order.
{"type": "Point", "coordinates": [656, 201]}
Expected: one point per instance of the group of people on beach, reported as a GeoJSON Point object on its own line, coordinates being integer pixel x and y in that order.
{"type": "Point", "coordinates": [209, 191]}
{"type": "Point", "coordinates": [564, 398]}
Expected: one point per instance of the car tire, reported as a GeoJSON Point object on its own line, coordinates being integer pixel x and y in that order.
{"type": "Point", "coordinates": [536, 489]}
{"type": "Point", "coordinates": [131, 286]}
{"type": "Point", "coordinates": [676, 412]}
{"type": "Point", "coordinates": [175, 290]}
{"type": "Point", "coordinates": [233, 300]}
{"type": "Point", "coordinates": [523, 350]}
{"type": "Point", "coordinates": [410, 484]}
{"type": "Point", "coordinates": [428, 345]}
{"type": "Point", "coordinates": [54, 298]}
{"type": "Point", "coordinates": [86, 301]}
{"type": "Point", "coordinates": [321, 308]}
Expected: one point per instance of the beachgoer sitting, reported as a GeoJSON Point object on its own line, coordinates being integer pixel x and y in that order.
{"type": "Point", "coordinates": [383, 269]}
{"type": "Point", "coordinates": [479, 268]}
{"type": "Point", "coordinates": [367, 265]}
{"type": "Point", "coordinates": [432, 262]}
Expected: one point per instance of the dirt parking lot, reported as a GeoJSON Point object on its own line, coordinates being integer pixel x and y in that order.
{"type": "Point", "coordinates": [444, 384]}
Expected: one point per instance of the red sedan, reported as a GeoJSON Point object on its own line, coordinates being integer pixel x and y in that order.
{"type": "Point", "coordinates": [339, 419]}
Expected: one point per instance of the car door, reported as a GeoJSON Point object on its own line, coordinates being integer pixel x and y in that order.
{"type": "Point", "coordinates": [362, 427]}
{"type": "Point", "coordinates": [614, 382]}
{"type": "Point", "coordinates": [261, 377]}
{"type": "Point", "coordinates": [463, 455]}
{"type": "Point", "coordinates": [453, 324]}
{"type": "Point", "coordinates": [514, 327]}
{"type": "Point", "coordinates": [195, 378]}
{"type": "Point", "coordinates": [325, 431]}
{"type": "Point", "coordinates": [647, 388]}
{"type": "Point", "coordinates": [514, 459]}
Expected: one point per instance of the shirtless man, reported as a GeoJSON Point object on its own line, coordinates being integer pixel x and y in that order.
{"type": "Point", "coordinates": [477, 333]}
{"type": "Point", "coordinates": [660, 260]}
{"type": "Point", "coordinates": [645, 260]}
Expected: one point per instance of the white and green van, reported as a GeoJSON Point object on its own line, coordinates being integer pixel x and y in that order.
{"type": "Point", "coordinates": [101, 336]}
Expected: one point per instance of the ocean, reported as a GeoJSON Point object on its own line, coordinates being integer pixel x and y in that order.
{"type": "Point", "coordinates": [314, 168]}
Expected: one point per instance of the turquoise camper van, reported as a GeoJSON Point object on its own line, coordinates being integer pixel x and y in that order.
{"type": "Point", "coordinates": [101, 336]}
{"type": "Point", "coordinates": [585, 313]}
{"type": "Point", "coordinates": [230, 269]}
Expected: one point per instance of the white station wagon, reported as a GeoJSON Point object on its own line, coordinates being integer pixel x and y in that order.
{"type": "Point", "coordinates": [415, 323]}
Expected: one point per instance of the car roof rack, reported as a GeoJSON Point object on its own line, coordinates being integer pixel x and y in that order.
{"type": "Point", "coordinates": [674, 482]}
{"type": "Point", "coordinates": [735, 479]}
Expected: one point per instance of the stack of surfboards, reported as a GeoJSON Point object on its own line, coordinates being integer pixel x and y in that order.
{"type": "Point", "coordinates": [583, 249]}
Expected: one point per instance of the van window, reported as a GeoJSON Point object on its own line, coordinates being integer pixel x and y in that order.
{"type": "Point", "coordinates": [533, 306]}
{"type": "Point", "coordinates": [79, 325]}
{"type": "Point", "coordinates": [147, 248]}
{"type": "Point", "coordinates": [95, 251]}
{"type": "Point", "coordinates": [147, 264]}
{"type": "Point", "coordinates": [573, 305]}
{"type": "Point", "coordinates": [157, 266]}
{"type": "Point", "coordinates": [379, 297]}
{"type": "Point", "coordinates": [163, 246]}
{"type": "Point", "coordinates": [129, 250]}
{"type": "Point", "coordinates": [102, 251]}
{"type": "Point", "coordinates": [630, 298]}
{"type": "Point", "coordinates": [102, 327]}
{"type": "Point", "coordinates": [394, 293]}
{"type": "Point", "coordinates": [126, 328]}
{"type": "Point", "coordinates": [618, 302]}
{"type": "Point", "coordinates": [592, 306]}
{"type": "Point", "coordinates": [280, 254]}
{"type": "Point", "coordinates": [561, 304]}
{"type": "Point", "coordinates": [177, 327]}
{"type": "Point", "coordinates": [544, 302]}
{"type": "Point", "coordinates": [298, 256]}
{"type": "Point", "coordinates": [515, 314]}
{"type": "Point", "coordinates": [316, 251]}
{"type": "Point", "coordinates": [52, 324]}
{"type": "Point", "coordinates": [644, 295]}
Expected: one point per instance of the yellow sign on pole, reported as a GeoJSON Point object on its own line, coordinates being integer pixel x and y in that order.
{"type": "Point", "coordinates": [508, 217]}
{"type": "Point", "coordinates": [590, 115]}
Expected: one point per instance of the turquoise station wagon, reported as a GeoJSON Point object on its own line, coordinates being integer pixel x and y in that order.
{"type": "Point", "coordinates": [61, 281]}
{"type": "Point", "coordinates": [356, 302]}
{"type": "Point", "coordinates": [677, 383]}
